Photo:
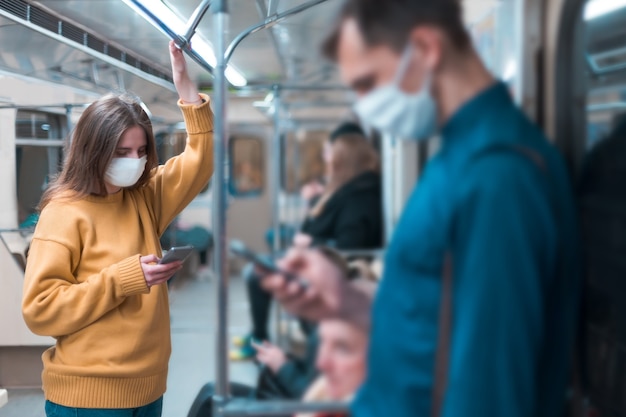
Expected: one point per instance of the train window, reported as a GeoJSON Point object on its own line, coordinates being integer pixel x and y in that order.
{"type": "Point", "coordinates": [170, 144]}
{"type": "Point", "coordinates": [247, 171]}
{"type": "Point", "coordinates": [606, 65]}
{"type": "Point", "coordinates": [38, 156]}
{"type": "Point", "coordinates": [303, 159]}
{"type": "Point", "coordinates": [488, 23]}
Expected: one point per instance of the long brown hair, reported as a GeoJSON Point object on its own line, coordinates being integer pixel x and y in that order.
{"type": "Point", "coordinates": [351, 156]}
{"type": "Point", "coordinates": [93, 145]}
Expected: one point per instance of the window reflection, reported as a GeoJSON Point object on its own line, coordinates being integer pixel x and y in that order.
{"type": "Point", "coordinates": [246, 167]}
{"type": "Point", "coordinates": [304, 159]}
{"type": "Point", "coordinates": [36, 162]}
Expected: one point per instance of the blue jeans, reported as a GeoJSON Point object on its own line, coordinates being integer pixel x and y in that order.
{"type": "Point", "coordinates": [150, 410]}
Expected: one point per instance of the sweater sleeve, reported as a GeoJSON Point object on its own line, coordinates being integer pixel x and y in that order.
{"type": "Point", "coordinates": [177, 182]}
{"type": "Point", "coordinates": [503, 258]}
{"type": "Point", "coordinates": [55, 304]}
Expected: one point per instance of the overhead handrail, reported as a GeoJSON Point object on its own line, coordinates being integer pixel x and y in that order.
{"type": "Point", "coordinates": [263, 12]}
{"type": "Point", "coordinates": [273, 7]}
{"type": "Point", "coordinates": [178, 39]}
{"type": "Point", "coordinates": [194, 21]}
{"type": "Point", "coordinates": [267, 23]}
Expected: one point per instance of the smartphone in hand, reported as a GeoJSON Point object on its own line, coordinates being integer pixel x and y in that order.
{"type": "Point", "coordinates": [177, 253]}
{"type": "Point", "coordinates": [264, 264]}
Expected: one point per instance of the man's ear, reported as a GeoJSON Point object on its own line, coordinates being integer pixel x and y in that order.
{"type": "Point", "coordinates": [428, 43]}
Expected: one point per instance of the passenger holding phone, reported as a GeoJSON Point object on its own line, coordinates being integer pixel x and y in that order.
{"type": "Point", "coordinates": [93, 278]}
{"type": "Point", "coordinates": [475, 315]}
{"type": "Point", "coordinates": [347, 215]}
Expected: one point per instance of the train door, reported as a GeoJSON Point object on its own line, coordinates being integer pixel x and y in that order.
{"type": "Point", "coordinates": [586, 47]}
{"type": "Point", "coordinates": [37, 155]}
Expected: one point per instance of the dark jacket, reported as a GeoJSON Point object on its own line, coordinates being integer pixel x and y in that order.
{"type": "Point", "coordinates": [299, 372]}
{"type": "Point", "coordinates": [352, 218]}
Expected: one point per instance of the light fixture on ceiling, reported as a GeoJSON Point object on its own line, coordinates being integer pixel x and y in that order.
{"type": "Point", "coordinates": [597, 8]}
{"type": "Point", "coordinates": [176, 24]}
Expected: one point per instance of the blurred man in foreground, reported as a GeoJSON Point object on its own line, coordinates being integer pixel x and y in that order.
{"type": "Point", "coordinates": [475, 315]}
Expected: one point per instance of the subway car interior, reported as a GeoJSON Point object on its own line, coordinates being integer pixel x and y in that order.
{"type": "Point", "coordinates": [276, 99]}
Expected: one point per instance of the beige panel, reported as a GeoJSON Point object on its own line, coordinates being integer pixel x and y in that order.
{"type": "Point", "coordinates": [21, 367]}
{"type": "Point", "coordinates": [13, 330]}
{"type": "Point", "coordinates": [8, 193]}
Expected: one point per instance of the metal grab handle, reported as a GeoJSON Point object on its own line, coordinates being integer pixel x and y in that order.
{"type": "Point", "coordinates": [194, 21]}
{"type": "Point", "coordinates": [268, 22]}
{"type": "Point", "coordinates": [244, 408]}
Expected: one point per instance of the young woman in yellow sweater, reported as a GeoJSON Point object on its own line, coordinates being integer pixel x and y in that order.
{"type": "Point", "coordinates": [92, 278]}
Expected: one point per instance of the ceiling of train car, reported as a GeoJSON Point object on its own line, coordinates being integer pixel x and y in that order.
{"type": "Point", "coordinates": [286, 53]}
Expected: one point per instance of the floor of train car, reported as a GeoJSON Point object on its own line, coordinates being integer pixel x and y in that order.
{"type": "Point", "coordinates": [193, 348]}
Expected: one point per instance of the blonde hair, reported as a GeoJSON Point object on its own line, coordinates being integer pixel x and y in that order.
{"type": "Point", "coordinates": [93, 145]}
{"type": "Point", "coordinates": [351, 156]}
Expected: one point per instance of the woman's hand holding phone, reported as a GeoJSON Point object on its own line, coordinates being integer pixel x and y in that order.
{"type": "Point", "coordinates": [156, 273]}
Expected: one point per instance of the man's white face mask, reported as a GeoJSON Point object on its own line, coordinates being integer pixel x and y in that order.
{"type": "Point", "coordinates": [125, 172]}
{"type": "Point", "coordinates": [392, 111]}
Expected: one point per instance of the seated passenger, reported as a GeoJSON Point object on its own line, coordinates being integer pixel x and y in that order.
{"type": "Point", "coordinates": [341, 360]}
{"type": "Point", "coordinates": [348, 215]}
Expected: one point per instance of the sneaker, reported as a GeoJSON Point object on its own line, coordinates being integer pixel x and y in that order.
{"type": "Point", "coordinates": [241, 341]}
{"type": "Point", "coordinates": [243, 353]}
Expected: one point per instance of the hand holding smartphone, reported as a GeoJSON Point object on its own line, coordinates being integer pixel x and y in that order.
{"type": "Point", "coordinates": [177, 253]}
{"type": "Point", "coordinates": [264, 264]}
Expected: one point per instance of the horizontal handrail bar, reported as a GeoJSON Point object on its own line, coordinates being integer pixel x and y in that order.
{"type": "Point", "coordinates": [248, 408]}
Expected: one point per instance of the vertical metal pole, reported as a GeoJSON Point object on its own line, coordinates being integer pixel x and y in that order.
{"type": "Point", "coordinates": [389, 149]}
{"type": "Point", "coordinates": [275, 178]}
{"type": "Point", "coordinates": [220, 25]}
{"type": "Point", "coordinates": [400, 175]}
{"type": "Point", "coordinates": [295, 197]}
{"type": "Point", "coordinates": [276, 173]}
{"type": "Point", "coordinates": [68, 120]}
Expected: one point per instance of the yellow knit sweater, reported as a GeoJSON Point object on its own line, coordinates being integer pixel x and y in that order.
{"type": "Point", "coordinates": [85, 287]}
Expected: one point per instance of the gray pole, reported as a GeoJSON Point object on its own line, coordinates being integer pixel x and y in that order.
{"type": "Point", "coordinates": [68, 119]}
{"type": "Point", "coordinates": [220, 26]}
{"type": "Point", "coordinates": [389, 148]}
{"type": "Point", "coordinates": [275, 172]}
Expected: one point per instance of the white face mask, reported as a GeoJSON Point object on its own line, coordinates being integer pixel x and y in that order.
{"type": "Point", "coordinates": [125, 172]}
{"type": "Point", "coordinates": [391, 110]}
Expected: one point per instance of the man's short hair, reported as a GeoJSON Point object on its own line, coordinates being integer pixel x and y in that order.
{"type": "Point", "coordinates": [347, 128]}
{"type": "Point", "coordinates": [390, 22]}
